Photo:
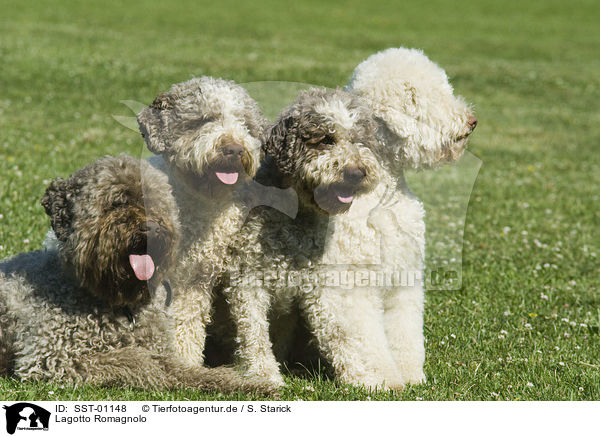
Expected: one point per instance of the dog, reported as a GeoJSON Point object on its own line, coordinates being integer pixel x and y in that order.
{"type": "Point", "coordinates": [94, 311]}
{"type": "Point", "coordinates": [422, 124]}
{"type": "Point", "coordinates": [321, 147]}
{"type": "Point", "coordinates": [206, 134]}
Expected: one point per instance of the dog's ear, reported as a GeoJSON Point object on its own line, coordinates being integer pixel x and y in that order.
{"type": "Point", "coordinates": [153, 122]}
{"type": "Point", "coordinates": [280, 143]}
{"type": "Point", "coordinates": [57, 202]}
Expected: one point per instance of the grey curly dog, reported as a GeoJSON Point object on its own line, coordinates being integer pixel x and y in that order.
{"type": "Point", "coordinates": [94, 310]}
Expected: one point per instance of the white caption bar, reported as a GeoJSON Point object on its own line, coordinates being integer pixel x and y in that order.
{"type": "Point", "coordinates": [297, 418]}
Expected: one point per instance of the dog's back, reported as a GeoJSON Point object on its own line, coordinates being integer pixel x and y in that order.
{"type": "Point", "coordinates": [48, 324]}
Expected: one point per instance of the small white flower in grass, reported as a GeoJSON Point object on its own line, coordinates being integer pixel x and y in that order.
{"type": "Point", "coordinates": [528, 326]}
{"type": "Point", "coordinates": [452, 335]}
{"type": "Point", "coordinates": [494, 394]}
{"type": "Point", "coordinates": [580, 388]}
{"type": "Point", "coordinates": [503, 332]}
{"type": "Point", "coordinates": [572, 282]}
{"type": "Point", "coordinates": [564, 320]}
{"type": "Point", "coordinates": [1, 216]}
{"type": "Point", "coordinates": [507, 313]}
{"type": "Point", "coordinates": [548, 211]}
{"type": "Point", "coordinates": [530, 384]}
{"type": "Point", "coordinates": [577, 347]}
{"type": "Point", "coordinates": [573, 323]}
{"type": "Point", "coordinates": [50, 392]}
{"type": "Point", "coordinates": [538, 267]}
{"type": "Point", "coordinates": [560, 363]}
{"type": "Point", "coordinates": [1, 247]}
{"type": "Point", "coordinates": [546, 265]}
{"type": "Point", "coordinates": [309, 388]}
{"type": "Point", "coordinates": [525, 360]}
{"type": "Point", "coordinates": [418, 398]}
{"type": "Point", "coordinates": [501, 336]}
{"type": "Point", "coordinates": [566, 335]}
{"type": "Point", "coordinates": [538, 352]}
{"type": "Point", "coordinates": [509, 386]}
{"type": "Point", "coordinates": [506, 229]}
{"type": "Point", "coordinates": [26, 241]}
{"type": "Point", "coordinates": [556, 348]}
{"type": "Point", "coordinates": [583, 325]}
{"type": "Point", "coordinates": [442, 342]}
{"type": "Point", "coordinates": [543, 296]}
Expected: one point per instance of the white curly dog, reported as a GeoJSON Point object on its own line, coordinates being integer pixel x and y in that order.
{"type": "Point", "coordinates": [422, 125]}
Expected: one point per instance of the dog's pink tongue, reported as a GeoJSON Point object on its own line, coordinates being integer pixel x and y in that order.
{"type": "Point", "coordinates": [227, 178]}
{"type": "Point", "coordinates": [345, 199]}
{"type": "Point", "coordinates": [142, 266]}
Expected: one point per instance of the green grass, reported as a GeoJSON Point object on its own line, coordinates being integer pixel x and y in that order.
{"type": "Point", "coordinates": [531, 245]}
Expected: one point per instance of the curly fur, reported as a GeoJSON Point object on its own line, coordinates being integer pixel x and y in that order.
{"type": "Point", "coordinates": [191, 126]}
{"type": "Point", "coordinates": [66, 315]}
{"type": "Point", "coordinates": [424, 123]}
{"type": "Point", "coordinates": [315, 147]}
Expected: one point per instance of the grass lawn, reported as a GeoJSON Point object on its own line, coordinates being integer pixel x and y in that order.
{"type": "Point", "coordinates": [525, 324]}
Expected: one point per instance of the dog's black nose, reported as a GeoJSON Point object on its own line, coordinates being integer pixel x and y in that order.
{"type": "Point", "coordinates": [354, 175]}
{"type": "Point", "coordinates": [152, 229]}
{"type": "Point", "coordinates": [231, 150]}
{"type": "Point", "coordinates": [472, 122]}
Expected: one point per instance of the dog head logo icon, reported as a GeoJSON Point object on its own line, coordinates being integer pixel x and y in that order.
{"type": "Point", "coordinates": [26, 416]}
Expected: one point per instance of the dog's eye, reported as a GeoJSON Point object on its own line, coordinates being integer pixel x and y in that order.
{"type": "Point", "coordinates": [328, 140]}
{"type": "Point", "coordinates": [116, 204]}
{"type": "Point", "coordinates": [321, 141]}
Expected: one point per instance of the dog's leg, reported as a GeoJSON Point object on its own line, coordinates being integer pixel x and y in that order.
{"type": "Point", "coordinates": [219, 379]}
{"type": "Point", "coordinates": [131, 366]}
{"type": "Point", "coordinates": [349, 329]}
{"type": "Point", "coordinates": [403, 252]}
{"type": "Point", "coordinates": [138, 367]}
{"type": "Point", "coordinates": [191, 312]}
{"type": "Point", "coordinates": [404, 326]}
{"type": "Point", "coordinates": [249, 309]}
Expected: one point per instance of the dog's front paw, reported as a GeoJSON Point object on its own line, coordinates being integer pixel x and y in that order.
{"type": "Point", "coordinates": [270, 374]}
{"type": "Point", "coordinates": [417, 376]}
{"type": "Point", "coordinates": [375, 383]}
{"type": "Point", "coordinates": [265, 386]}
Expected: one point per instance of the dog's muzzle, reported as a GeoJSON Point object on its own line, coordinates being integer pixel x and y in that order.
{"type": "Point", "coordinates": [338, 197]}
